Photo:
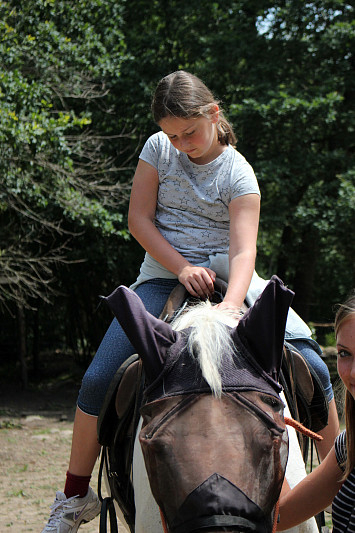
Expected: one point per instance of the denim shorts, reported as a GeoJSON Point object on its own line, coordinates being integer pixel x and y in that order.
{"type": "Point", "coordinates": [115, 348]}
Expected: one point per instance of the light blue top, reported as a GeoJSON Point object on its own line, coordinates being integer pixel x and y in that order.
{"type": "Point", "coordinates": [192, 214]}
{"type": "Point", "coordinates": [192, 206]}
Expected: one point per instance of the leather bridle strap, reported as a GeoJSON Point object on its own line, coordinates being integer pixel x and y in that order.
{"type": "Point", "coordinates": [163, 521]}
{"type": "Point", "coordinates": [276, 516]}
{"type": "Point", "coordinates": [305, 431]}
{"type": "Point", "coordinates": [240, 519]}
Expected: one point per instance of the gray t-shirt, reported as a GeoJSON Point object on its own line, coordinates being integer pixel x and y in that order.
{"type": "Point", "coordinates": [192, 206]}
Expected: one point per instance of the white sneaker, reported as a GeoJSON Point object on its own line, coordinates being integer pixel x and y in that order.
{"type": "Point", "coordinates": [68, 513]}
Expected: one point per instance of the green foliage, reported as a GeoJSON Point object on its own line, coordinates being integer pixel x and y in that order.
{"type": "Point", "coordinates": [296, 127]}
{"type": "Point", "coordinates": [55, 179]}
{"type": "Point", "coordinates": [76, 80]}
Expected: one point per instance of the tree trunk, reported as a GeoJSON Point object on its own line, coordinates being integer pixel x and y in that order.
{"type": "Point", "coordinates": [284, 253]}
{"type": "Point", "coordinates": [35, 348]}
{"type": "Point", "coordinates": [304, 276]}
{"type": "Point", "coordinates": [21, 321]}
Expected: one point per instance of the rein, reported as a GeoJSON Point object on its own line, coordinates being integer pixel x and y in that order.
{"type": "Point", "coordinates": [308, 433]}
{"type": "Point", "coordinates": [165, 527]}
{"type": "Point", "coordinates": [302, 429]}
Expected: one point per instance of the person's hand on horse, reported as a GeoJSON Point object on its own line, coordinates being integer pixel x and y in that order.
{"type": "Point", "coordinates": [198, 280]}
{"type": "Point", "coordinates": [234, 310]}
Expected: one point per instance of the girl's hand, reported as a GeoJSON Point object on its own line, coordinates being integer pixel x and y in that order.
{"type": "Point", "coordinates": [198, 280]}
{"type": "Point", "coordinates": [234, 310]}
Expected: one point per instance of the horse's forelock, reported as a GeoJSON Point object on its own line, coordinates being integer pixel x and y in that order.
{"type": "Point", "coordinates": [204, 310]}
{"type": "Point", "coordinates": [209, 339]}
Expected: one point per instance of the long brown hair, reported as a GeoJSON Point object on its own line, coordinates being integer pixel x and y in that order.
{"type": "Point", "coordinates": [345, 311]}
{"type": "Point", "coordinates": [183, 95]}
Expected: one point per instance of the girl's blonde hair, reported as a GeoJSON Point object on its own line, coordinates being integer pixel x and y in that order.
{"type": "Point", "coordinates": [344, 312]}
{"type": "Point", "coordinates": [183, 95]}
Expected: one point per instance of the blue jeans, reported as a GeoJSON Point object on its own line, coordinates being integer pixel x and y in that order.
{"type": "Point", "coordinates": [115, 348]}
{"type": "Point", "coordinates": [316, 363]}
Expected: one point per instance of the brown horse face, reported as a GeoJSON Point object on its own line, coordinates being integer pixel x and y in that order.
{"type": "Point", "coordinates": [215, 462]}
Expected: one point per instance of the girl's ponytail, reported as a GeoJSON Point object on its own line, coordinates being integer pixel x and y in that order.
{"type": "Point", "coordinates": [225, 131]}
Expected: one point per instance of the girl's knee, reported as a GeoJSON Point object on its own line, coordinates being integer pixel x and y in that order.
{"type": "Point", "coordinates": [92, 392]}
{"type": "Point", "coordinates": [92, 380]}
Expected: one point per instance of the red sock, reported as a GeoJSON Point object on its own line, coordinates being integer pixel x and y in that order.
{"type": "Point", "coordinates": [76, 485]}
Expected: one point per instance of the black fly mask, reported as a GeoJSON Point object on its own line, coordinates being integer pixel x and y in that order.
{"type": "Point", "coordinates": [214, 462]}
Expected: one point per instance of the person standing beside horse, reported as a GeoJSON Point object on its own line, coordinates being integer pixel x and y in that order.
{"type": "Point", "coordinates": [334, 479]}
{"type": "Point", "coordinates": [194, 199]}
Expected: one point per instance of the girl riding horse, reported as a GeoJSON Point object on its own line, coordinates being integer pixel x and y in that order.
{"type": "Point", "coordinates": [194, 200]}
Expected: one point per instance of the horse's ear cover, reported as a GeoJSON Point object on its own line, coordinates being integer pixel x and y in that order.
{"type": "Point", "coordinates": [150, 336]}
{"type": "Point", "coordinates": [185, 427]}
{"type": "Point", "coordinates": [262, 328]}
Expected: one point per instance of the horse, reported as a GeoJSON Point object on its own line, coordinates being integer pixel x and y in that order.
{"type": "Point", "coordinates": [212, 447]}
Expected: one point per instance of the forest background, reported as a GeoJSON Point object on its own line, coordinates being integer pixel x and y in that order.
{"type": "Point", "coordinates": [76, 80]}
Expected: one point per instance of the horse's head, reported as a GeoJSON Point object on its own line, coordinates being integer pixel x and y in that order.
{"type": "Point", "coordinates": [213, 436]}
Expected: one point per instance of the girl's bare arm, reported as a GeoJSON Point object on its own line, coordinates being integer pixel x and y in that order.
{"type": "Point", "coordinates": [244, 222]}
{"type": "Point", "coordinates": [312, 495]}
{"type": "Point", "coordinates": [197, 280]}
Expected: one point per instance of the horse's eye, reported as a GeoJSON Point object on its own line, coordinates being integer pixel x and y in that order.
{"type": "Point", "coordinates": [272, 402]}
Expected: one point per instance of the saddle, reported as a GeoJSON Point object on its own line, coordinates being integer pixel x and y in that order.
{"type": "Point", "coordinates": [119, 416]}
{"type": "Point", "coordinates": [304, 393]}
{"type": "Point", "coordinates": [116, 429]}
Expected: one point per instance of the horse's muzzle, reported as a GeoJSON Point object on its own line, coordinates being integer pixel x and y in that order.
{"type": "Point", "coordinates": [215, 463]}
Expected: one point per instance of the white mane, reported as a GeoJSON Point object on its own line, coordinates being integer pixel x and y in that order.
{"type": "Point", "coordinates": [209, 340]}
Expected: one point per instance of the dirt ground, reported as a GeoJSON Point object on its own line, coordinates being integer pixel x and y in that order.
{"type": "Point", "coordinates": [35, 440]}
